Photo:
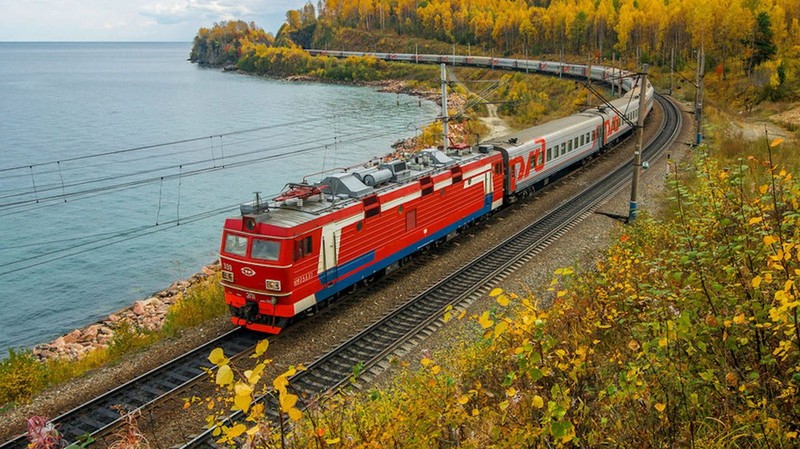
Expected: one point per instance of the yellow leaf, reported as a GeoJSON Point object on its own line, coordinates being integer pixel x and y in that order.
{"type": "Point", "coordinates": [243, 388]}
{"type": "Point", "coordinates": [769, 240]}
{"type": "Point", "coordinates": [288, 401]}
{"type": "Point", "coordinates": [484, 320]}
{"type": "Point", "coordinates": [475, 412]}
{"type": "Point", "coordinates": [295, 414]}
{"type": "Point", "coordinates": [739, 319]}
{"type": "Point", "coordinates": [503, 405]}
{"type": "Point", "coordinates": [537, 401]}
{"type": "Point", "coordinates": [435, 370]}
{"type": "Point", "coordinates": [447, 316]}
{"type": "Point", "coordinates": [500, 328]}
{"type": "Point", "coordinates": [754, 220]}
{"type": "Point", "coordinates": [756, 282]}
{"type": "Point", "coordinates": [561, 293]}
{"type": "Point", "coordinates": [217, 357]}
{"type": "Point", "coordinates": [280, 383]}
{"type": "Point", "coordinates": [502, 300]}
{"type": "Point", "coordinates": [463, 399]}
{"type": "Point", "coordinates": [662, 343]}
{"type": "Point", "coordinates": [256, 413]}
{"type": "Point", "coordinates": [332, 441]}
{"type": "Point", "coordinates": [242, 402]}
{"type": "Point", "coordinates": [776, 142]}
{"type": "Point", "coordinates": [236, 430]}
{"type": "Point", "coordinates": [511, 391]}
{"type": "Point", "coordinates": [633, 345]}
{"type": "Point", "coordinates": [254, 375]}
{"type": "Point", "coordinates": [261, 348]}
{"type": "Point", "coordinates": [224, 375]}
{"type": "Point", "coordinates": [425, 362]}
{"type": "Point", "coordinates": [495, 292]}
{"type": "Point", "coordinates": [660, 407]}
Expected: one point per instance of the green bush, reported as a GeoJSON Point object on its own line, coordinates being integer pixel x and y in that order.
{"type": "Point", "coordinates": [21, 375]}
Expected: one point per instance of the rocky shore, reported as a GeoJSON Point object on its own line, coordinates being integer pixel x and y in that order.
{"type": "Point", "coordinates": [150, 313]}
{"type": "Point", "coordinates": [146, 314]}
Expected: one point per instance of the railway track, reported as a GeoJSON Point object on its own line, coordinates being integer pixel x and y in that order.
{"type": "Point", "coordinates": [421, 316]}
{"type": "Point", "coordinates": [393, 334]}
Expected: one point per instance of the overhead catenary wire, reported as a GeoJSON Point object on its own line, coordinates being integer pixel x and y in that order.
{"type": "Point", "coordinates": [108, 239]}
{"type": "Point", "coordinates": [18, 193]}
{"type": "Point", "coordinates": [355, 110]}
{"type": "Point", "coordinates": [355, 136]}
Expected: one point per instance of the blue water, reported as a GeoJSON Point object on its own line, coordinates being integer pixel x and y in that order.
{"type": "Point", "coordinates": [96, 212]}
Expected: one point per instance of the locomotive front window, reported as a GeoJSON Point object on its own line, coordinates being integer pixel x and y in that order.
{"type": "Point", "coordinates": [265, 249]}
{"type": "Point", "coordinates": [235, 244]}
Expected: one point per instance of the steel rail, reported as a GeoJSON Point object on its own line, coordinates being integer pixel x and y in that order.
{"type": "Point", "coordinates": [98, 414]}
{"type": "Point", "coordinates": [423, 313]}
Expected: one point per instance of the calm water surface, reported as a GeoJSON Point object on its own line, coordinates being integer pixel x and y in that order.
{"type": "Point", "coordinates": [83, 235]}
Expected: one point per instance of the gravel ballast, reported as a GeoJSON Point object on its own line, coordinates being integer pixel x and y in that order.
{"type": "Point", "coordinates": [312, 337]}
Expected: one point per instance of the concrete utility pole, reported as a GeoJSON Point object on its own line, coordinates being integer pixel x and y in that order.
{"type": "Point", "coordinates": [698, 102]}
{"type": "Point", "coordinates": [445, 117]}
{"type": "Point", "coordinates": [589, 82]}
{"type": "Point", "coordinates": [671, 69]}
{"type": "Point", "coordinates": [637, 154]}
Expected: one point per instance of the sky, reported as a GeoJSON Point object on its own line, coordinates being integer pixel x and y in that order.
{"type": "Point", "coordinates": [131, 20]}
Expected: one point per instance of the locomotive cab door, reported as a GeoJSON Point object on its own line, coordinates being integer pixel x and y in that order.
{"type": "Point", "coordinates": [329, 254]}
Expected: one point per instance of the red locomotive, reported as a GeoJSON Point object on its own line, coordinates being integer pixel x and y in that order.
{"type": "Point", "coordinates": [314, 241]}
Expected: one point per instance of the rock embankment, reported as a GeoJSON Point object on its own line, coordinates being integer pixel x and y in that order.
{"type": "Point", "coordinates": [146, 314]}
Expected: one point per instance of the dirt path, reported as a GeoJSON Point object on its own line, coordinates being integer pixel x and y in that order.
{"type": "Point", "coordinates": [497, 126]}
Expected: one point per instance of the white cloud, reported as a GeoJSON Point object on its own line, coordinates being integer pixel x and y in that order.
{"type": "Point", "coordinates": [131, 20]}
{"type": "Point", "coordinates": [193, 10]}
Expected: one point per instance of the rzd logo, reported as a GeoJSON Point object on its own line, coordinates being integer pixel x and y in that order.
{"type": "Point", "coordinates": [247, 271]}
{"type": "Point", "coordinates": [522, 168]}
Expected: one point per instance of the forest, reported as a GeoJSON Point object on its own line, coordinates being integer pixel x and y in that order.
{"type": "Point", "coordinates": [758, 40]}
{"type": "Point", "coordinates": [684, 333]}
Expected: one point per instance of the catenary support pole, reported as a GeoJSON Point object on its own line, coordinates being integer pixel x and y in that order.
{"type": "Point", "coordinates": [445, 117]}
{"type": "Point", "coordinates": [637, 154]}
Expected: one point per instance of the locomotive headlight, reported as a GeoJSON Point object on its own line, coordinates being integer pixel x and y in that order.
{"type": "Point", "coordinates": [273, 285]}
{"type": "Point", "coordinates": [227, 276]}
{"type": "Point", "coordinates": [249, 223]}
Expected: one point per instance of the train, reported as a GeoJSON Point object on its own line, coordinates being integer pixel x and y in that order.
{"type": "Point", "coordinates": [283, 257]}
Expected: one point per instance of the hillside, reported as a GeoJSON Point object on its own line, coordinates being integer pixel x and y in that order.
{"type": "Point", "coordinates": [685, 333]}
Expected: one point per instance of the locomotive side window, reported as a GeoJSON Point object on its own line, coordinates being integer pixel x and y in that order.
{"type": "Point", "coordinates": [304, 247]}
{"type": "Point", "coordinates": [582, 141]}
{"type": "Point", "coordinates": [569, 147]}
{"type": "Point", "coordinates": [235, 244]}
{"type": "Point", "coordinates": [498, 169]}
{"type": "Point", "coordinates": [563, 149]}
{"type": "Point", "coordinates": [549, 154]}
{"type": "Point", "coordinates": [265, 249]}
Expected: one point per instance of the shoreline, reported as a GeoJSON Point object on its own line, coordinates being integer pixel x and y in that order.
{"type": "Point", "coordinates": [149, 314]}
